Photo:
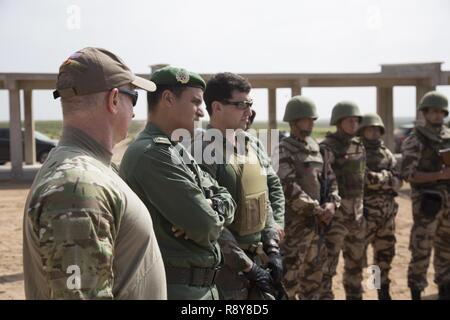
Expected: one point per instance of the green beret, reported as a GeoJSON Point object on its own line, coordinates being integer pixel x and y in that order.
{"type": "Point", "coordinates": [173, 76]}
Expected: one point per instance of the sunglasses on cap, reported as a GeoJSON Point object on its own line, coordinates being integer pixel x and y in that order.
{"type": "Point", "coordinates": [239, 104]}
{"type": "Point", "coordinates": [132, 93]}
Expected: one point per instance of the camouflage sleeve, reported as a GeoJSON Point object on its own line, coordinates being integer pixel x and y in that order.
{"type": "Point", "coordinates": [389, 179]}
{"type": "Point", "coordinates": [296, 199]}
{"type": "Point", "coordinates": [411, 151]}
{"type": "Point", "coordinates": [76, 224]}
{"type": "Point", "coordinates": [234, 257]}
{"type": "Point", "coordinates": [160, 177]}
{"type": "Point", "coordinates": [328, 159]}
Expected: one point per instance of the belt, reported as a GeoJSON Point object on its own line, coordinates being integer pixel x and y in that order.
{"type": "Point", "coordinates": [195, 277]}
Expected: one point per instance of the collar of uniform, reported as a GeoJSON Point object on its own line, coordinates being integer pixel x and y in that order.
{"type": "Point", "coordinates": [344, 137]}
{"type": "Point", "coordinates": [153, 130]}
{"type": "Point", "coordinates": [308, 145]}
{"type": "Point", "coordinates": [227, 143]}
{"type": "Point", "coordinates": [78, 138]}
{"type": "Point", "coordinates": [372, 144]}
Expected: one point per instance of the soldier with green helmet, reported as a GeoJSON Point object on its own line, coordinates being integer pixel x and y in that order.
{"type": "Point", "coordinates": [189, 208]}
{"type": "Point", "coordinates": [347, 233]}
{"type": "Point", "coordinates": [311, 193]}
{"type": "Point", "coordinates": [423, 167]}
{"type": "Point", "coordinates": [240, 164]}
{"type": "Point", "coordinates": [380, 189]}
{"type": "Point", "coordinates": [86, 234]}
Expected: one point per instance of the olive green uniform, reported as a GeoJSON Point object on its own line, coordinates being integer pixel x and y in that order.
{"type": "Point", "coordinates": [254, 226]}
{"type": "Point", "coordinates": [175, 190]}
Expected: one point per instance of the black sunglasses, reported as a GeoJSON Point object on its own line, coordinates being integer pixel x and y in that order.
{"type": "Point", "coordinates": [132, 93]}
{"type": "Point", "coordinates": [239, 104]}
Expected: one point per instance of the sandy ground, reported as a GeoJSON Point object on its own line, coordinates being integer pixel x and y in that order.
{"type": "Point", "coordinates": [12, 200]}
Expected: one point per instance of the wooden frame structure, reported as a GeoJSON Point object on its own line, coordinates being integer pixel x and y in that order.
{"type": "Point", "coordinates": [423, 76]}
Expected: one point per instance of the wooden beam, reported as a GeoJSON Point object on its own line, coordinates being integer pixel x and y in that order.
{"type": "Point", "coordinates": [15, 134]}
{"type": "Point", "coordinates": [30, 144]}
{"type": "Point", "coordinates": [386, 112]}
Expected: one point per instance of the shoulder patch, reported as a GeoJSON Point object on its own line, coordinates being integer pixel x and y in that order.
{"type": "Point", "coordinates": [161, 140]}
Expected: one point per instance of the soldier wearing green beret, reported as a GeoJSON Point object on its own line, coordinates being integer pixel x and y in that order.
{"type": "Point", "coordinates": [86, 234]}
{"type": "Point", "coordinates": [429, 177]}
{"type": "Point", "coordinates": [188, 207]}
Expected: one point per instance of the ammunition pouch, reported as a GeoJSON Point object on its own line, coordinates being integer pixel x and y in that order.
{"type": "Point", "coordinates": [430, 203]}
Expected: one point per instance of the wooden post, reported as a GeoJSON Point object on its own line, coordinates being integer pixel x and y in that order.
{"type": "Point", "coordinates": [296, 91]}
{"type": "Point", "coordinates": [30, 144]}
{"type": "Point", "coordinates": [421, 90]}
{"type": "Point", "coordinates": [386, 112]}
{"type": "Point", "coordinates": [272, 108]}
{"type": "Point", "coordinates": [15, 132]}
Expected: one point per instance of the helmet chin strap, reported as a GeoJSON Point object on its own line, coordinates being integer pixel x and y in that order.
{"type": "Point", "coordinates": [305, 133]}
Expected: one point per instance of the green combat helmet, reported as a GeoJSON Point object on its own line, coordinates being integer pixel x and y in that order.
{"type": "Point", "coordinates": [344, 109]}
{"type": "Point", "coordinates": [300, 107]}
{"type": "Point", "coordinates": [371, 120]}
{"type": "Point", "coordinates": [434, 99]}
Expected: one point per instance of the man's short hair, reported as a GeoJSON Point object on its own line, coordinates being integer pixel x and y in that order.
{"type": "Point", "coordinates": [154, 97]}
{"type": "Point", "coordinates": [221, 86]}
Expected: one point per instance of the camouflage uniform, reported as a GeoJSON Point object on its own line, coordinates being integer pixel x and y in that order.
{"type": "Point", "coordinates": [82, 219]}
{"type": "Point", "coordinates": [176, 191]}
{"type": "Point", "coordinates": [301, 170]}
{"type": "Point", "coordinates": [347, 232]}
{"type": "Point", "coordinates": [381, 185]}
{"type": "Point", "coordinates": [241, 249]}
{"type": "Point", "coordinates": [430, 229]}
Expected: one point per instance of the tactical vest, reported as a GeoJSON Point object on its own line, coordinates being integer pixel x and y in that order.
{"type": "Point", "coordinates": [252, 194]}
{"type": "Point", "coordinates": [378, 158]}
{"type": "Point", "coordinates": [430, 160]}
{"type": "Point", "coordinates": [308, 164]}
{"type": "Point", "coordinates": [349, 165]}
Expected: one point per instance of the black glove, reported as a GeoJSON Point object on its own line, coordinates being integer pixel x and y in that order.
{"type": "Point", "coordinates": [276, 265]}
{"type": "Point", "coordinates": [260, 278]}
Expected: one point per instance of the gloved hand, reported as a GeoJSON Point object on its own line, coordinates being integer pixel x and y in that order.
{"type": "Point", "coordinates": [276, 265]}
{"type": "Point", "coordinates": [260, 278]}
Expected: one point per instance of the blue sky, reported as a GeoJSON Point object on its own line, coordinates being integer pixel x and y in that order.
{"type": "Point", "coordinates": [245, 36]}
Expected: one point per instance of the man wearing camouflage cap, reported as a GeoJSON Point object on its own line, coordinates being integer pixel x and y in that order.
{"type": "Point", "coordinates": [242, 166]}
{"type": "Point", "coordinates": [189, 208]}
{"type": "Point", "coordinates": [311, 193]}
{"type": "Point", "coordinates": [86, 233]}
{"type": "Point", "coordinates": [380, 189]}
{"type": "Point", "coordinates": [429, 177]}
{"type": "Point", "coordinates": [347, 156]}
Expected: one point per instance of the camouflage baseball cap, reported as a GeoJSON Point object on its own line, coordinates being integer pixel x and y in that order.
{"type": "Point", "coordinates": [174, 76]}
{"type": "Point", "coordinates": [91, 70]}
